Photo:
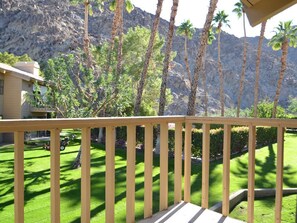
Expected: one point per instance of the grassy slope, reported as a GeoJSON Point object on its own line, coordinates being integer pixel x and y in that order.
{"type": "Point", "coordinates": [264, 210]}
{"type": "Point", "coordinates": [37, 182]}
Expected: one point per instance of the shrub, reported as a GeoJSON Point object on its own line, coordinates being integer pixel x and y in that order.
{"type": "Point", "coordinates": [265, 110]}
{"type": "Point", "coordinates": [239, 138]}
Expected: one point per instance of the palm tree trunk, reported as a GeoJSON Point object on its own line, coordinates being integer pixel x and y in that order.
{"type": "Point", "coordinates": [114, 30]}
{"type": "Point", "coordinates": [147, 58]}
{"type": "Point", "coordinates": [258, 60]}
{"type": "Point", "coordinates": [86, 34]}
{"type": "Point", "coordinates": [120, 47]}
{"type": "Point", "coordinates": [242, 77]}
{"type": "Point", "coordinates": [285, 47]}
{"type": "Point", "coordinates": [221, 76]}
{"type": "Point", "coordinates": [162, 100]}
{"type": "Point", "coordinates": [200, 56]}
{"type": "Point", "coordinates": [77, 162]}
{"type": "Point", "coordinates": [204, 87]}
{"type": "Point", "coordinates": [187, 60]}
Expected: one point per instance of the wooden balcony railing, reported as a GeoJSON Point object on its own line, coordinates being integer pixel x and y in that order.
{"type": "Point", "coordinates": [18, 127]}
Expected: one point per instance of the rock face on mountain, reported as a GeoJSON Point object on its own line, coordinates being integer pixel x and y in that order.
{"type": "Point", "coordinates": [45, 28]}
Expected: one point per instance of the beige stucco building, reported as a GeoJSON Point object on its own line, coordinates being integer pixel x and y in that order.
{"type": "Point", "coordinates": [15, 82]}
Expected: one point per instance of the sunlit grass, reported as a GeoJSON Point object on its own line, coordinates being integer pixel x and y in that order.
{"type": "Point", "coordinates": [264, 210]}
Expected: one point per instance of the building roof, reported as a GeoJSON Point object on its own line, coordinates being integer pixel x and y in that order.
{"type": "Point", "coordinates": [19, 73]}
{"type": "Point", "coordinates": [260, 10]}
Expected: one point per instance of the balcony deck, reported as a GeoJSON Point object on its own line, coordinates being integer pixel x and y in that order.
{"type": "Point", "coordinates": [182, 168]}
{"type": "Point", "coordinates": [188, 213]}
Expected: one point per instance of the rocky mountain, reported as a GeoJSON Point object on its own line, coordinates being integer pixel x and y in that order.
{"type": "Point", "coordinates": [45, 28]}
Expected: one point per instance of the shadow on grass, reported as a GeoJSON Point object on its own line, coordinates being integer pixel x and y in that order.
{"type": "Point", "coordinates": [264, 169]}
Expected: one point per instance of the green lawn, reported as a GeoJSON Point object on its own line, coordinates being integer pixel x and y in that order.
{"type": "Point", "coordinates": [37, 182]}
{"type": "Point", "coordinates": [264, 210]}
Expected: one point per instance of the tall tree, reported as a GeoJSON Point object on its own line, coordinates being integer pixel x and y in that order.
{"type": "Point", "coordinates": [211, 38]}
{"type": "Point", "coordinates": [285, 37]}
{"type": "Point", "coordinates": [258, 61]}
{"type": "Point", "coordinates": [148, 55]}
{"type": "Point", "coordinates": [86, 32]}
{"type": "Point", "coordinates": [220, 19]}
{"type": "Point", "coordinates": [239, 10]}
{"type": "Point", "coordinates": [169, 39]}
{"type": "Point", "coordinates": [75, 91]}
{"type": "Point", "coordinates": [117, 23]}
{"type": "Point", "coordinates": [187, 30]}
{"type": "Point", "coordinates": [200, 55]}
{"type": "Point", "coordinates": [88, 11]}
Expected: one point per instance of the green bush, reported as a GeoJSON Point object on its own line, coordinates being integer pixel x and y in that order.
{"type": "Point", "coordinates": [239, 138]}
{"type": "Point", "coordinates": [265, 110]}
{"type": "Point", "coordinates": [266, 135]}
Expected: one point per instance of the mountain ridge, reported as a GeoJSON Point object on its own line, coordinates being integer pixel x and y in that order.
{"type": "Point", "coordinates": [43, 29]}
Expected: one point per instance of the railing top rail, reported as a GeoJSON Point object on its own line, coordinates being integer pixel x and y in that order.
{"type": "Point", "coordinates": [11, 125]}
{"type": "Point", "coordinates": [290, 123]}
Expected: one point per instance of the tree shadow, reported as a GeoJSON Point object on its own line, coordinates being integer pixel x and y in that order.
{"type": "Point", "coordinates": [266, 170]}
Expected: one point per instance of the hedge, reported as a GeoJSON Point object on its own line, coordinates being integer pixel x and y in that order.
{"type": "Point", "coordinates": [239, 139]}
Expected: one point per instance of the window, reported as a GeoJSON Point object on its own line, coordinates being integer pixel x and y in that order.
{"type": "Point", "coordinates": [1, 87]}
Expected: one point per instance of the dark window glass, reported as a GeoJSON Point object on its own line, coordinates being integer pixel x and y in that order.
{"type": "Point", "coordinates": [1, 87]}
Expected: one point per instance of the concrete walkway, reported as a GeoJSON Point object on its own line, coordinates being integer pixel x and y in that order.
{"type": "Point", "coordinates": [188, 213]}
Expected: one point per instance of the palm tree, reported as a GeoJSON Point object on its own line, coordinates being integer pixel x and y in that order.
{"type": "Point", "coordinates": [88, 11]}
{"type": "Point", "coordinates": [187, 30]}
{"type": "Point", "coordinates": [86, 33]}
{"type": "Point", "coordinates": [285, 37]}
{"type": "Point", "coordinates": [210, 39]}
{"type": "Point", "coordinates": [162, 99]}
{"type": "Point", "coordinates": [120, 33]}
{"type": "Point", "coordinates": [168, 48]}
{"type": "Point", "coordinates": [200, 56]}
{"type": "Point", "coordinates": [239, 10]}
{"type": "Point", "coordinates": [220, 19]}
{"type": "Point", "coordinates": [117, 7]}
{"type": "Point", "coordinates": [148, 55]}
{"type": "Point", "coordinates": [258, 60]}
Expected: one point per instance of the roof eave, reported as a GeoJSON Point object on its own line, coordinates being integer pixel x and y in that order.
{"type": "Point", "coordinates": [264, 9]}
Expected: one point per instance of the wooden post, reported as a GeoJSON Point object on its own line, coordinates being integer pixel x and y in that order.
{"type": "Point", "coordinates": [163, 166]}
{"type": "Point", "coordinates": [226, 170]}
{"type": "Point", "coordinates": [110, 174]}
{"type": "Point", "coordinates": [251, 173]}
{"type": "Point", "coordinates": [178, 163]}
{"type": "Point", "coordinates": [148, 171]}
{"type": "Point", "coordinates": [205, 165]}
{"type": "Point", "coordinates": [18, 177]}
{"type": "Point", "coordinates": [85, 174]}
{"type": "Point", "coordinates": [187, 162]}
{"type": "Point", "coordinates": [279, 175]}
{"type": "Point", "coordinates": [55, 175]}
{"type": "Point", "coordinates": [130, 193]}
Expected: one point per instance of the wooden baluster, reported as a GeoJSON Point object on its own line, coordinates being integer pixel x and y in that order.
{"type": "Point", "coordinates": [130, 193]}
{"type": "Point", "coordinates": [205, 165]}
{"type": "Point", "coordinates": [226, 170]}
{"type": "Point", "coordinates": [18, 177]}
{"type": "Point", "coordinates": [279, 175]}
{"type": "Point", "coordinates": [55, 175]}
{"type": "Point", "coordinates": [85, 174]}
{"type": "Point", "coordinates": [148, 171]}
{"type": "Point", "coordinates": [178, 163]}
{"type": "Point", "coordinates": [163, 166]}
{"type": "Point", "coordinates": [187, 162]}
{"type": "Point", "coordinates": [110, 174]}
{"type": "Point", "coordinates": [251, 173]}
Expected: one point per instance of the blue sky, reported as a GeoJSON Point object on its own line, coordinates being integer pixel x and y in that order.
{"type": "Point", "coordinates": [196, 10]}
